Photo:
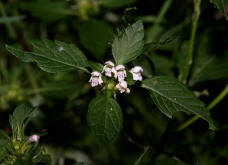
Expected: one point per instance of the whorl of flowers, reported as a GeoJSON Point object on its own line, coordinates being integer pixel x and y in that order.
{"type": "Point", "coordinates": [117, 74]}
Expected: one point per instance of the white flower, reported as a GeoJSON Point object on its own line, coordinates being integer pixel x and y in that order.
{"type": "Point", "coordinates": [109, 69]}
{"type": "Point", "coordinates": [122, 87]}
{"type": "Point", "coordinates": [120, 72]}
{"type": "Point", "coordinates": [34, 138]}
{"type": "Point", "coordinates": [137, 73]}
{"type": "Point", "coordinates": [95, 79]}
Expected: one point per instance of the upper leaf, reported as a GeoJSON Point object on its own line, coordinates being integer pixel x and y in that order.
{"type": "Point", "coordinates": [129, 44]}
{"type": "Point", "coordinates": [171, 96]}
{"type": "Point", "coordinates": [105, 118]}
{"type": "Point", "coordinates": [221, 4]}
{"type": "Point", "coordinates": [53, 57]}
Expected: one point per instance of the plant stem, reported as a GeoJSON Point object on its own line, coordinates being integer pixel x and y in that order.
{"type": "Point", "coordinates": [184, 75]}
{"type": "Point", "coordinates": [3, 69]}
{"type": "Point", "coordinates": [10, 29]}
{"type": "Point", "coordinates": [159, 18]}
{"type": "Point", "coordinates": [219, 98]}
{"type": "Point", "coordinates": [138, 161]}
{"type": "Point", "coordinates": [30, 75]}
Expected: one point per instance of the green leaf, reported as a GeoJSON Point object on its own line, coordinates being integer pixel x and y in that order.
{"type": "Point", "coordinates": [53, 57]}
{"type": "Point", "coordinates": [46, 10]}
{"type": "Point", "coordinates": [221, 4]}
{"type": "Point", "coordinates": [105, 118]}
{"type": "Point", "coordinates": [129, 44]}
{"type": "Point", "coordinates": [116, 3]}
{"type": "Point", "coordinates": [18, 120]}
{"type": "Point", "coordinates": [94, 35]}
{"type": "Point", "coordinates": [25, 57]}
{"type": "Point", "coordinates": [209, 68]}
{"type": "Point", "coordinates": [158, 44]}
{"type": "Point", "coordinates": [171, 96]}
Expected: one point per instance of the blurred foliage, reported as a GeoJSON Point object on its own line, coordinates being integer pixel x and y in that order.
{"type": "Point", "coordinates": [63, 98]}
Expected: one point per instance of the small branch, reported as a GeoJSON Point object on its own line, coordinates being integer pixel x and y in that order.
{"type": "Point", "coordinates": [185, 73]}
{"type": "Point", "coordinates": [219, 98]}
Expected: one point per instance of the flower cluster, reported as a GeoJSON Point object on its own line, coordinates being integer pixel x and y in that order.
{"type": "Point", "coordinates": [118, 73]}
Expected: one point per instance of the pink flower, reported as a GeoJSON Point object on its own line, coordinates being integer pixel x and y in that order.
{"type": "Point", "coordinates": [122, 87]}
{"type": "Point", "coordinates": [137, 73]}
{"type": "Point", "coordinates": [95, 79]}
{"type": "Point", "coordinates": [34, 138]}
{"type": "Point", "coordinates": [109, 69]}
{"type": "Point", "coordinates": [120, 73]}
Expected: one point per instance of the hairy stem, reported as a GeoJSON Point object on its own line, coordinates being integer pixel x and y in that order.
{"type": "Point", "coordinates": [185, 73]}
{"type": "Point", "coordinates": [219, 98]}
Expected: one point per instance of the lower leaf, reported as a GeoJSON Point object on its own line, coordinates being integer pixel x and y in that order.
{"type": "Point", "coordinates": [105, 118]}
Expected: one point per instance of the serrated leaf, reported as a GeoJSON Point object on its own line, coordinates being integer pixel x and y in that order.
{"type": "Point", "coordinates": [53, 57]}
{"type": "Point", "coordinates": [46, 10]}
{"type": "Point", "coordinates": [94, 35]}
{"type": "Point", "coordinates": [105, 118]}
{"type": "Point", "coordinates": [171, 96]}
{"type": "Point", "coordinates": [221, 5]}
{"type": "Point", "coordinates": [25, 57]}
{"type": "Point", "coordinates": [129, 44]}
{"type": "Point", "coordinates": [116, 3]}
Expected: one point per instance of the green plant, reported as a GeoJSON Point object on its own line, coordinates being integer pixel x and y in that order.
{"type": "Point", "coordinates": [21, 149]}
